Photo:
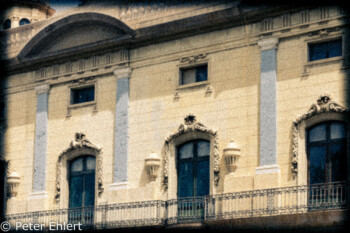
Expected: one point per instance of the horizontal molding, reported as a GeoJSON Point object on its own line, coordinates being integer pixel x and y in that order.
{"type": "Point", "coordinates": [217, 20]}
{"type": "Point", "coordinates": [119, 185]}
{"type": "Point", "coordinates": [37, 195]}
{"type": "Point", "coordinates": [274, 168]}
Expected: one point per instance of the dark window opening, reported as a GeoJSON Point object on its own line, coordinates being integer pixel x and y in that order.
{"type": "Point", "coordinates": [327, 159]}
{"type": "Point", "coordinates": [324, 50]}
{"type": "Point", "coordinates": [24, 21]}
{"type": "Point", "coordinates": [194, 74]}
{"type": "Point", "coordinates": [193, 179]}
{"type": "Point", "coordinates": [193, 169]}
{"type": "Point", "coordinates": [82, 95]}
{"type": "Point", "coordinates": [82, 189]}
{"type": "Point", "coordinates": [327, 153]}
{"type": "Point", "coordinates": [7, 24]}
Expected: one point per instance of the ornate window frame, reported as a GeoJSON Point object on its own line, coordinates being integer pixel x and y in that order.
{"type": "Point", "coordinates": [190, 130]}
{"type": "Point", "coordinates": [78, 147]}
{"type": "Point", "coordinates": [324, 110]}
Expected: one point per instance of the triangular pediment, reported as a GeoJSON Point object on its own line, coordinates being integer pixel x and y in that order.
{"type": "Point", "coordinates": [76, 32]}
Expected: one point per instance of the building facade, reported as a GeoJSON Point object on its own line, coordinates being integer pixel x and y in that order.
{"type": "Point", "coordinates": [163, 114]}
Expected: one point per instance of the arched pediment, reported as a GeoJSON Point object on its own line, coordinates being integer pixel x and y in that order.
{"type": "Point", "coordinates": [323, 105]}
{"type": "Point", "coordinates": [75, 32]}
{"type": "Point", "coordinates": [79, 146]}
{"type": "Point", "coordinates": [192, 126]}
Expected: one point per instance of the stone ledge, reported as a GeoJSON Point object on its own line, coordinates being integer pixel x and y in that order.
{"type": "Point", "coordinates": [273, 168]}
{"type": "Point", "coordinates": [119, 185]}
{"type": "Point", "coordinates": [325, 221]}
{"type": "Point", "coordinates": [37, 195]}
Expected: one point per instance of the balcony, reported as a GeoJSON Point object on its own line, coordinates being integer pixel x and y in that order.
{"type": "Point", "coordinates": [227, 206]}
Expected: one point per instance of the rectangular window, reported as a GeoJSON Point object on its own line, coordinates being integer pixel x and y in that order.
{"type": "Point", "coordinates": [194, 74]}
{"type": "Point", "coordinates": [324, 50]}
{"type": "Point", "coordinates": [82, 95]}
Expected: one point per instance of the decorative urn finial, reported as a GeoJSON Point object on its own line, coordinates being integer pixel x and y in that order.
{"type": "Point", "coordinates": [231, 155]}
{"type": "Point", "coordinates": [152, 164]}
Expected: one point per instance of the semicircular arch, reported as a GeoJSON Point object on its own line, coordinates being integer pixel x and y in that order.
{"type": "Point", "coordinates": [74, 32]}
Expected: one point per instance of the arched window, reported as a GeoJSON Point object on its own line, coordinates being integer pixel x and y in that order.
{"type": "Point", "coordinates": [24, 21]}
{"type": "Point", "coordinates": [193, 169]}
{"type": "Point", "coordinates": [326, 149]}
{"type": "Point", "coordinates": [7, 24]}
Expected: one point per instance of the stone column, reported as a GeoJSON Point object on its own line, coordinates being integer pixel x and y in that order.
{"type": "Point", "coordinates": [40, 148]}
{"type": "Point", "coordinates": [121, 134]}
{"type": "Point", "coordinates": [268, 173]}
{"type": "Point", "coordinates": [14, 22]}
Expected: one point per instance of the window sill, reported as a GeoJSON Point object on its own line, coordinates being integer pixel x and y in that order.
{"type": "Point", "coordinates": [81, 105]}
{"type": "Point", "coordinates": [190, 85]}
{"type": "Point", "coordinates": [312, 64]}
{"type": "Point", "coordinates": [90, 103]}
{"type": "Point", "coordinates": [324, 61]}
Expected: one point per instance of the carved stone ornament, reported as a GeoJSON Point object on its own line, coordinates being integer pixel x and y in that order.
{"type": "Point", "coordinates": [80, 142]}
{"type": "Point", "coordinates": [324, 104]}
{"type": "Point", "coordinates": [191, 125]}
{"type": "Point", "coordinates": [13, 181]}
{"type": "Point", "coordinates": [192, 59]}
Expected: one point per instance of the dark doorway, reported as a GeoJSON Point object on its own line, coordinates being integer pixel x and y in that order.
{"type": "Point", "coordinates": [82, 189]}
{"type": "Point", "coordinates": [193, 179]}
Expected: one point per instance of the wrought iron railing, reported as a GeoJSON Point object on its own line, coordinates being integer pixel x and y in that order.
{"type": "Point", "coordinates": [278, 201]}
{"type": "Point", "coordinates": [249, 204]}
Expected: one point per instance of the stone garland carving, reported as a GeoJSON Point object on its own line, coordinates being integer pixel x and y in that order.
{"type": "Point", "coordinates": [80, 142]}
{"type": "Point", "coordinates": [324, 104]}
{"type": "Point", "coordinates": [191, 125]}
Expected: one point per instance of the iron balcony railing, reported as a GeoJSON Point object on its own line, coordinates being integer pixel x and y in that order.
{"type": "Point", "coordinates": [249, 204]}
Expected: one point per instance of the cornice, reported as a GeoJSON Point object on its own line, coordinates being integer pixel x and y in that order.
{"type": "Point", "coordinates": [159, 33]}
{"type": "Point", "coordinates": [222, 19]}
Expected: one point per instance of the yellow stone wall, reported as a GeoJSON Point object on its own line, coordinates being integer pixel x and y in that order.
{"type": "Point", "coordinates": [33, 14]}
{"type": "Point", "coordinates": [232, 109]}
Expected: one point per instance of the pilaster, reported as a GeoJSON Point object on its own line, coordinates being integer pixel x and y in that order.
{"type": "Point", "coordinates": [40, 146]}
{"type": "Point", "coordinates": [121, 134]}
{"type": "Point", "coordinates": [268, 172]}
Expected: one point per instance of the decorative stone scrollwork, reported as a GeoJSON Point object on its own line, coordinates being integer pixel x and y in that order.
{"type": "Point", "coordinates": [80, 142]}
{"type": "Point", "coordinates": [324, 104]}
{"type": "Point", "coordinates": [191, 125]}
